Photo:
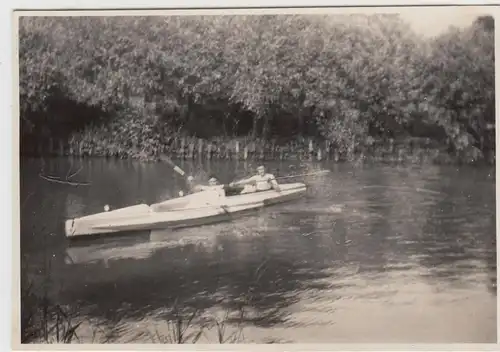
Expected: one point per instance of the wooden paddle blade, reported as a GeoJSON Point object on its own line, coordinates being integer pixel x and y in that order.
{"type": "Point", "coordinates": [171, 163]}
{"type": "Point", "coordinates": [179, 171]}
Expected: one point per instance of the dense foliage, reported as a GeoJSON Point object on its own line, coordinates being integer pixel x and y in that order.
{"type": "Point", "coordinates": [134, 83]}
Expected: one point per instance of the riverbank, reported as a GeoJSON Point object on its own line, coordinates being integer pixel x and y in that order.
{"type": "Point", "coordinates": [411, 150]}
{"type": "Point", "coordinates": [140, 105]}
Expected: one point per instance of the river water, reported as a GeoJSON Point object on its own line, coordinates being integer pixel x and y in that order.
{"type": "Point", "coordinates": [373, 253]}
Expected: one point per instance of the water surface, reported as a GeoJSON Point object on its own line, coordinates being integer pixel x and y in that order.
{"type": "Point", "coordinates": [373, 253]}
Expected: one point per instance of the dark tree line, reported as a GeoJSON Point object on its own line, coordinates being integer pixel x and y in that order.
{"type": "Point", "coordinates": [139, 81]}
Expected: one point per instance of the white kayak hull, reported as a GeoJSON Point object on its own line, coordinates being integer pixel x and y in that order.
{"type": "Point", "coordinates": [194, 210]}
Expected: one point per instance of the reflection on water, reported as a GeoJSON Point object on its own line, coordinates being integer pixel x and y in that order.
{"type": "Point", "coordinates": [372, 254]}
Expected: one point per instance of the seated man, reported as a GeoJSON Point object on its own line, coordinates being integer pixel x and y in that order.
{"type": "Point", "coordinates": [213, 185]}
{"type": "Point", "coordinates": [260, 182]}
{"type": "Point", "coordinates": [213, 194]}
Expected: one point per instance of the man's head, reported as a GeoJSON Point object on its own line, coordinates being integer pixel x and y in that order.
{"type": "Point", "coordinates": [212, 181]}
{"type": "Point", "coordinates": [261, 170]}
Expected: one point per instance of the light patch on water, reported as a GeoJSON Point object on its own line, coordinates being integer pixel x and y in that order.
{"type": "Point", "coordinates": [413, 312]}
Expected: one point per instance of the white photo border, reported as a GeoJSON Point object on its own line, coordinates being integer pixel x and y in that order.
{"type": "Point", "coordinates": [9, 151]}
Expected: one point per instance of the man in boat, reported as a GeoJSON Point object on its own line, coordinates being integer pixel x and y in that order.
{"type": "Point", "coordinates": [213, 194]}
{"type": "Point", "coordinates": [213, 185]}
{"type": "Point", "coordinates": [261, 182]}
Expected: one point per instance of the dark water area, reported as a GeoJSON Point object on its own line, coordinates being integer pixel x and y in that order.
{"type": "Point", "coordinates": [373, 253]}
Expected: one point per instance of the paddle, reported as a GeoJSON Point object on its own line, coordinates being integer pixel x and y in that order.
{"type": "Point", "coordinates": [308, 174]}
{"type": "Point", "coordinates": [169, 161]}
{"type": "Point", "coordinates": [300, 175]}
{"type": "Point", "coordinates": [177, 169]}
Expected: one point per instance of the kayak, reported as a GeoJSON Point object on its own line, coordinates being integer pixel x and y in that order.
{"type": "Point", "coordinates": [196, 209]}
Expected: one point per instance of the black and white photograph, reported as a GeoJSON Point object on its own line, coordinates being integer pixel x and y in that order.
{"type": "Point", "coordinates": [256, 176]}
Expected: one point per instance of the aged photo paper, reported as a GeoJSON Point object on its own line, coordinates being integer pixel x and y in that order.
{"type": "Point", "coordinates": [280, 176]}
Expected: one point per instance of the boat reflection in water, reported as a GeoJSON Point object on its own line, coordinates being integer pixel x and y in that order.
{"type": "Point", "coordinates": [142, 244]}
{"type": "Point", "coordinates": [136, 245]}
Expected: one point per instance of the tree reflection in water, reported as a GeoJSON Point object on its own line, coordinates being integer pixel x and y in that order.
{"type": "Point", "coordinates": [285, 266]}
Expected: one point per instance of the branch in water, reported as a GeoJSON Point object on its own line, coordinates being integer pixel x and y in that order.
{"type": "Point", "coordinates": [68, 176]}
{"type": "Point", "coordinates": [71, 183]}
{"type": "Point", "coordinates": [67, 181]}
{"type": "Point", "coordinates": [74, 173]}
{"type": "Point", "coordinates": [26, 199]}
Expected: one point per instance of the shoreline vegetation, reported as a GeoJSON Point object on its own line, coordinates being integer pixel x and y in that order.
{"type": "Point", "coordinates": [413, 150]}
{"type": "Point", "coordinates": [45, 320]}
{"type": "Point", "coordinates": [321, 87]}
